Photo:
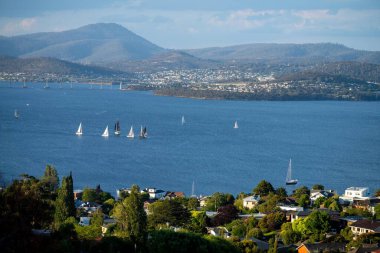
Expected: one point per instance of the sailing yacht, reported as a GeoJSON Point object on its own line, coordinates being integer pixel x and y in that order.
{"type": "Point", "coordinates": [131, 134]}
{"type": "Point", "coordinates": [46, 85]}
{"type": "Point", "coordinates": [183, 120]}
{"type": "Point", "coordinates": [105, 133]}
{"type": "Point", "coordinates": [143, 133]}
{"type": "Point", "coordinates": [79, 131]}
{"type": "Point", "coordinates": [236, 125]}
{"type": "Point", "coordinates": [117, 128]}
{"type": "Point", "coordinates": [24, 85]}
{"type": "Point", "coordinates": [17, 115]}
{"type": "Point", "coordinates": [289, 180]}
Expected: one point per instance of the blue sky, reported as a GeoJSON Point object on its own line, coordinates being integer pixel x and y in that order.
{"type": "Point", "coordinates": [196, 23]}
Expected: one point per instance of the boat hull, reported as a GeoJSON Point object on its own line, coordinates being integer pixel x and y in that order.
{"type": "Point", "coordinates": [292, 182]}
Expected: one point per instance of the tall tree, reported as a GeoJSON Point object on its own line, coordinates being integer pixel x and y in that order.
{"type": "Point", "coordinates": [64, 204]}
{"type": "Point", "coordinates": [50, 178]}
{"type": "Point", "coordinates": [131, 216]}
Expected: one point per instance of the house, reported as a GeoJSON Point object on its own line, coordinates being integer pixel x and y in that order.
{"type": "Point", "coordinates": [365, 226]}
{"type": "Point", "coordinates": [120, 193]}
{"type": "Point", "coordinates": [366, 248]}
{"type": "Point", "coordinates": [173, 195]}
{"type": "Point", "coordinates": [334, 215]}
{"type": "Point", "coordinates": [321, 247]}
{"type": "Point", "coordinates": [203, 201]}
{"type": "Point", "coordinates": [154, 193]}
{"type": "Point", "coordinates": [89, 207]}
{"type": "Point", "coordinates": [352, 193]}
{"type": "Point", "coordinates": [251, 201]}
{"type": "Point", "coordinates": [315, 194]}
{"type": "Point", "coordinates": [218, 231]}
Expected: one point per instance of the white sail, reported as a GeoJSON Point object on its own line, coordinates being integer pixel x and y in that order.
{"type": "Point", "coordinates": [289, 179]}
{"type": "Point", "coordinates": [79, 131]}
{"type": "Point", "coordinates": [17, 115]}
{"type": "Point", "coordinates": [236, 125]}
{"type": "Point", "coordinates": [105, 133]}
{"type": "Point", "coordinates": [183, 120]}
{"type": "Point", "coordinates": [131, 134]}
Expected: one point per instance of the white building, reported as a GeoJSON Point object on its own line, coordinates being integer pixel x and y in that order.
{"type": "Point", "coordinates": [154, 193]}
{"type": "Point", "coordinates": [251, 201]}
{"type": "Point", "coordinates": [352, 193]}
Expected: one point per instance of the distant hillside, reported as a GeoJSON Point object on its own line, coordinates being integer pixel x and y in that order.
{"type": "Point", "coordinates": [97, 43]}
{"type": "Point", "coordinates": [170, 59]}
{"type": "Point", "coordinates": [279, 53]}
{"type": "Point", "coordinates": [49, 65]}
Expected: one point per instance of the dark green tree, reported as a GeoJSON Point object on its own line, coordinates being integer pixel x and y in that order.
{"type": "Point", "coordinates": [50, 179]}
{"type": "Point", "coordinates": [263, 188]}
{"type": "Point", "coordinates": [168, 212]}
{"type": "Point", "coordinates": [64, 204]}
{"type": "Point", "coordinates": [297, 193]}
{"type": "Point", "coordinates": [303, 200]}
{"type": "Point", "coordinates": [89, 195]}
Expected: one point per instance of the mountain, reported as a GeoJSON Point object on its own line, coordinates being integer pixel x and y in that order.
{"type": "Point", "coordinates": [39, 66]}
{"type": "Point", "coordinates": [91, 44]}
{"type": "Point", "coordinates": [286, 53]}
{"type": "Point", "coordinates": [168, 60]}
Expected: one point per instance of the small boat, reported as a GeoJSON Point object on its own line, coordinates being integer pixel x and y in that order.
{"type": "Point", "coordinates": [105, 133]}
{"type": "Point", "coordinates": [236, 125]}
{"type": "Point", "coordinates": [117, 128]}
{"type": "Point", "coordinates": [183, 120]}
{"type": "Point", "coordinates": [46, 85]}
{"type": "Point", "coordinates": [289, 180]}
{"type": "Point", "coordinates": [143, 133]}
{"type": "Point", "coordinates": [24, 85]}
{"type": "Point", "coordinates": [131, 134]}
{"type": "Point", "coordinates": [17, 115]}
{"type": "Point", "coordinates": [79, 131]}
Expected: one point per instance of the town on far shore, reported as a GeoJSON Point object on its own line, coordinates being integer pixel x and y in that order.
{"type": "Point", "coordinates": [267, 219]}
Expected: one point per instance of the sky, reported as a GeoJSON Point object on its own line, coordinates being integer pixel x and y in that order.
{"type": "Point", "coordinates": [184, 24]}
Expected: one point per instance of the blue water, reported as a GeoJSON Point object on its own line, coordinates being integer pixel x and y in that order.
{"type": "Point", "coordinates": [333, 143]}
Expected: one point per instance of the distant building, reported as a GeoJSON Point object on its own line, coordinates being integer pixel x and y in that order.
{"type": "Point", "coordinates": [352, 193]}
{"type": "Point", "coordinates": [218, 231]}
{"type": "Point", "coordinates": [78, 194]}
{"type": "Point", "coordinates": [173, 195]}
{"type": "Point", "coordinates": [315, 194]}
{"type": "Point", "coordinates": [251, 201]}
{"type": "Point", "coordinates": [203, 201]}
{"type": "Point", "coordinates": [122, 191]}
{"type": "Point", "coordinates": [321, 247]}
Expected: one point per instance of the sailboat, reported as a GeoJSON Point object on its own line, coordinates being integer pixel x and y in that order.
{"type": "Point", "coordinates": [105, 133]}
{"type": "Point", "coordinates": [143, 133]}
{"type": "Point", "coordinates": [117, 128]}
{"type": "Point", "coordinates": [24, 85]}
{"type": "Point", "coordinates": [79, 131]}
{"type": "Point", "coordinates": [17, 115]}
{"type": "Point", "coordinates": [236, 125]}
{"type": "Point", "coordinates": [289, 180]}
{"type": "Point", "coordinates": [183, 120]}
{"type": "Point", "coordinates": [131, 134]}
{"type": "Point", "coordinates": [46, 85]}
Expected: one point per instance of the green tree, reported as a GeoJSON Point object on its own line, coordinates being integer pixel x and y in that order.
{"type": "Point", "coordinates": [297, 193]}
{"type": "Point", "coordinates": [64, 203]}
{"type": "Point", "coordinates": [288, 235]}
{"type": "Point", "coordinates": [50, 179]}
{"type": "Point", "coordinates": [272, 221]}
{"type": "Point", "coordinates": [317, 224]}
{"type": "Point", "coordinates": [198, 222]}
{"type": "Point", "coordinates": [281, 192]}
{"type": "Point", "coordinates": [346, 233]}
{"type": "Point", "coordinates": [319, 201]}
{"type": "Point", "coordinates": [132, 218]}
{"type": "Point", "coordinates": [217, 200]}
{"type": "Point", "coordinates": [335, 206]}
{"type": "Point", "coordinates": [193, 204]}
{"type": "Point", "coordinates": [89, 195]}
{"type": "Point", "coordinates": [377, 193]}
{"type": "Point", "coordinates": [377, 211]}
{"type": "Point", "coordinates": [169, 212]}
{"type": "Point", "coordinates": [303, 200]}
{"type": "Point", "coordinates": [318, 187]}
{"type": "Point", "coordinates": [263, 188]}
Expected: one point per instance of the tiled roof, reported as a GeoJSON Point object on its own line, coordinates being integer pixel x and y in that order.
{"type": "Point", "coordinates": [367, 224]}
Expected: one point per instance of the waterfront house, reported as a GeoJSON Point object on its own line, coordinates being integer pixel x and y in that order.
{"type": "Point", "coordinates": [120, 193]}
{"type": "Point", "coordinates": [203, 201]}
{"type": "Point", "coordinates": [365, 226]}
{"type": "Point", "coordinates": [154, 193]}
{"type": "Point", "coordinates": [173, 195]}
{"type": "Point", "coordinates": [315, 194]}
{"type": "Point", "coordinates": [355, 193]}
{"type": "Point", "coordinates": [251, 201]}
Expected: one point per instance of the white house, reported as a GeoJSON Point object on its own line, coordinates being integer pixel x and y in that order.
{"type": "Point", "coordinates": [251, 201]}
{"type": "Point", "coordinates": [352, 193]}
{"type": "Point", "coordinates": [154, 193]}
{"type": "Point", "coordinates": [315, 194]}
